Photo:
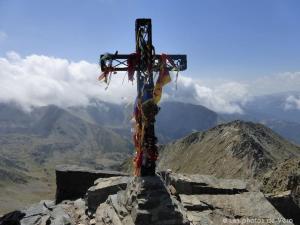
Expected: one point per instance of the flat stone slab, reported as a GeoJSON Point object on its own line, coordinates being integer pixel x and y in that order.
{"type": "Point", "coordinates": [203, 184]}
{"type": "Point", "coordinates": [72, 182]}
{"type": "Point", "coordinates": [74, 168]}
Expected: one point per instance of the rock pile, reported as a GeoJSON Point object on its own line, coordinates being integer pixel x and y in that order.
{"type": "Point", "coordinates": [145, 201]}
{"type": "Point", "coordinates": [165, 199]}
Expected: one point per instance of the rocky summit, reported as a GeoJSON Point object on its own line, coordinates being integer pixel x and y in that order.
{"type": "Point", "coordinates": [165, 199]}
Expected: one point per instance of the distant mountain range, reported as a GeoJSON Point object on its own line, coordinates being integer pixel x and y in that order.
{"type": "Point", "coordinates": [177, 119]}
{"type": "Point", "coordinates": [98, 135]}
{"type": "Point", "coordinates": [174, 120]}
{"type": "Point", "coordinates": [50, 133]}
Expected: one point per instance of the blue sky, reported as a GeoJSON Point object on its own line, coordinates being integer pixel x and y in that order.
{"type": "Point", "coordinates": [230, 39]}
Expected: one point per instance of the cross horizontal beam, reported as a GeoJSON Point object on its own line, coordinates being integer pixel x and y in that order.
{"type": "Point", "coordinates": [118, 62]}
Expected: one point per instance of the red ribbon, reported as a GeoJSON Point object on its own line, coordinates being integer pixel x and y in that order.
{"type": "Point", "coordinates": [132, 61]}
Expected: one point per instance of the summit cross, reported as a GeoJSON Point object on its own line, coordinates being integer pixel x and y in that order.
{"type": "Point", "coordinates": [144, 62]}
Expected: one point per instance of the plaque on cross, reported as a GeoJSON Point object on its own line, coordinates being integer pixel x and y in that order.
{"type": "Point", "coordinates": [144, 63]}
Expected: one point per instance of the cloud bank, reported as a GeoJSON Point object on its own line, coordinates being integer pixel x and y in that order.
{"type": "Point", "coordinates": [38, 80]}
{"type": "Point", "coordinates": [226, 98]}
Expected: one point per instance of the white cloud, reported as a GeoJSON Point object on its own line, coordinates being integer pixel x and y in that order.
{"type": "Point", "coordinates": [292, 102]}
{"type": "Point", "coordinates": [226, 98]}
{"type": "Point", "coordinates": [38, 80]}
{"type": "Point", "coordinates": [3, 36]}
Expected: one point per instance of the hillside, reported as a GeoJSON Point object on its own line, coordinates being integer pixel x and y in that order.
{"type": "Point", "coordinates": [53, 133]}
{"type": "Point", "coordinates": [102, 113]}
{"type": "Point", "coordinates": [280, 178]}
{"type": "Point", "coordinates": [176, 120]}
{"type": "Point", "coordinates": [233, 150]}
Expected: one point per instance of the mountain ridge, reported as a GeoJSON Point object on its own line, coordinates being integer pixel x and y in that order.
{"type": "Point", "coordinates": [233, 150]}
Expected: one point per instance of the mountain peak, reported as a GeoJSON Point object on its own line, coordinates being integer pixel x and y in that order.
{"type": "Point", "coordinates": [233, 150]}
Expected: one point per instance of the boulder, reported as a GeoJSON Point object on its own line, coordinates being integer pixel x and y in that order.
{"type": "Point", "coordinates": [288, 202]}
{"type": "Point", "coordinates": [285, 204]}
{"type": "Point", "coordinates": [72, 182]}
{"type": "Point", "coordinates": [294, 185]}
{"type": "Point", "coordinates": [103, 187]}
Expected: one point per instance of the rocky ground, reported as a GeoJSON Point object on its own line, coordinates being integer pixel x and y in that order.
{"type": "Point", "coordinates": [166, 199]}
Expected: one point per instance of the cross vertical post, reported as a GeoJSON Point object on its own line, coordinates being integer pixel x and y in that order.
{"type": "Point", "coordinates": [144, 62]}
{"type": "Point", "coordinates": [146, 146]}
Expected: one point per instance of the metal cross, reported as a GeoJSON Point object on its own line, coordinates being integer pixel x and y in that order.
{"type": "Point", "coordinates": [144, 62]}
